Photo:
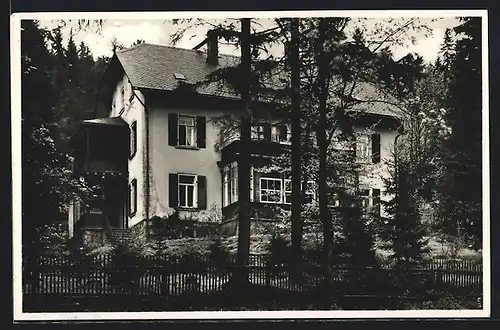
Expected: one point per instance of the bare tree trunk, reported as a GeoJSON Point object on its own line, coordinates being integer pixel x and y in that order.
{"type": "Point", "coordinates": [296, 145]}
{"type": "Point", "coordinates": [322, 145]}
{"type": "Point", "coordinates": [244, 160]}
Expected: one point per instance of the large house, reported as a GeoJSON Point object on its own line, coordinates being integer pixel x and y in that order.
{"type": "Point", "coordinates": [151, 146]}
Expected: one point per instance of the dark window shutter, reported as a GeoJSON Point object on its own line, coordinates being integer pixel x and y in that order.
{"type": "Point", "coordinates": [129, 199]}
{"type": "Point", "coordinates": [267, 131]}
{"type": "Point", "coordinates": [134, 196]}
{"type": "Point", "coordinates": [202, 192]}
{"type": "Point", "coordinates": [375, 148]}
{"type": "Point", "coordinates": [201, 132]}
{"type": "Point", "coordinates": [172, 129]}
{"type": "Point", "coordinates": [172, 189]}
{"type": "Point", "coordinates": [376, 201]}
{"type": "Point", "coordinates": [354, 148]}
{"type": "Point", "coordinates": [133, 139]}
{"type": "Point", "coordinates": [283, 133]}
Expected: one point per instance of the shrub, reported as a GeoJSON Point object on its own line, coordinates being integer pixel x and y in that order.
{"type": "Point", "coordinates": [53, 239]}
{"type": "Point", "coordinates": [124, 262]}
{"type": "Point", "coordinates": [219, 253]}
{"type": "Point", "coordinates": [279, 249]}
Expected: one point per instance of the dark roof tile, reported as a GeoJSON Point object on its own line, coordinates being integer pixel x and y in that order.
{"type": "Point", "coordinates": [153, 67]}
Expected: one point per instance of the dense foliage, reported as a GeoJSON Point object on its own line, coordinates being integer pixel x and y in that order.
{"type": "Point", "coordinates": [58, 90]}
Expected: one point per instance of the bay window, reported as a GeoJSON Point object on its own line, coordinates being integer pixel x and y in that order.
{"type": "Point", "coordinates": [230, 184]}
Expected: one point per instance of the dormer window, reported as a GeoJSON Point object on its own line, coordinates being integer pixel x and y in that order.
{"type": "Point", "coordinates": [179, 76]}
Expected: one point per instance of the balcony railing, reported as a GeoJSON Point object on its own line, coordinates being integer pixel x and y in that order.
{"type": "Point", "coordinates": [257, 148]}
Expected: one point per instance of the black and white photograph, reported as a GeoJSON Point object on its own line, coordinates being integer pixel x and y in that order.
{"type": "Point", "coordinates": [324, 164]}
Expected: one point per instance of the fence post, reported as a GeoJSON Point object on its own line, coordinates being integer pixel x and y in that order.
{"type": "Point", "coordinates": [268, 271]}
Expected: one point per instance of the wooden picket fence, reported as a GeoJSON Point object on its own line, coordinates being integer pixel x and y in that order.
{"type": "Point", "coordinates": [102, 276]}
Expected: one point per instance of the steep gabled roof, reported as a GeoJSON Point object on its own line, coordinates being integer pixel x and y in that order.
{"type": "Point", "coordinates": [153, 67]}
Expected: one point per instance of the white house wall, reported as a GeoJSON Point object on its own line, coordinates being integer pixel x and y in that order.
{"type": "Point", "coordinates": [134, 111]}
{"type": "Point", "coordinates": [165, 159]}
{"type": "Point", "coordinates": [372, 176]}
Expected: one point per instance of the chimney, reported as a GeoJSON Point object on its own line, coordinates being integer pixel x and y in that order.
{"type": "Point", "coordinates": [212, 47]}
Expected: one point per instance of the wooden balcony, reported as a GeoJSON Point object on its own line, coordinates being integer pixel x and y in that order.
{"type": "Point", "coordinates": [102, 147]}
{"type": "Point", "coordinates": [258, 149]}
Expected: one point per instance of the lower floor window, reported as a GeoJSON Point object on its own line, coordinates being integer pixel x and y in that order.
{"type": "Point", "coordinates": [187, 190]}
{"type": "Point", "coordinates": [230, 184]}
{"type": "Point", "coordinates": [369, 199]}
{"type": "Point", "coordinates": [274, 190]}
{"type": "Point", "coordinates": [310, 193]}
{"type": "Point", "coordinates": [365, 198]}
{"type": "Point", "coordinates": [270, 190]}
{"type": "Point", "coordinates": [132, 198]}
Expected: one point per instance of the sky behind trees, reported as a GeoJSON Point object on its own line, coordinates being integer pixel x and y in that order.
{"type": "Point", "coordinates": [158, 31]}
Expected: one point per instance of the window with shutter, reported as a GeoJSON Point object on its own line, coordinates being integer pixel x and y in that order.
{"type": "Point", "coordinates": [187, 191]}
{"type": "Point", "coordinates": [172, 190]}
{"type": "Point", "coordinates": [201, 132]}
{"type": "Point", "coordinates": [377, 205]}
{"type": "Point", "coordinates": [202, 192]}
{"type": "Point", "coordinates": [186, 131]}
{"type": "Point", "coordinates": [375, 148]}
{"type": "Point", "coordinates": [133, 198]}
{"type": "Point", "coordinates": [362, 148]}
{"type": "Point", "coordinates": [133, 139]}
{"type": "Point", "coordinates": [172, 129]}
{"type": "Point", "coordinates": [365, 198]}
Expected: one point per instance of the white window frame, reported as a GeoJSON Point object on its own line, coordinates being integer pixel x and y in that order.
{"type": "Point", "coordinates": [225, 185]}
{"type": "Point", "coordinates": [275, 133]}
{"type": "Point", "coordinates": [230, 184]}
{"type": "Point", "coordinates": [311, 192]}
{"type": "Point", "coordinates": [195, 190]}
{"type": "Point", "coordinates": [132, 209]}
{"type": "Point", "coordinates": [280, 194]}
{"type": "Point", "coordinates": [288, 135]}
{"type": "Point", "coordinates": [368, 198]}
{"type": "Point", "coordinates": [257, 132]}
{"type": "Point", "coordinates": [193, 132]}
{"type": "Point", "coordinates": [285, 191]}
{"type": "Point", "coordinates": [363, 148]}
